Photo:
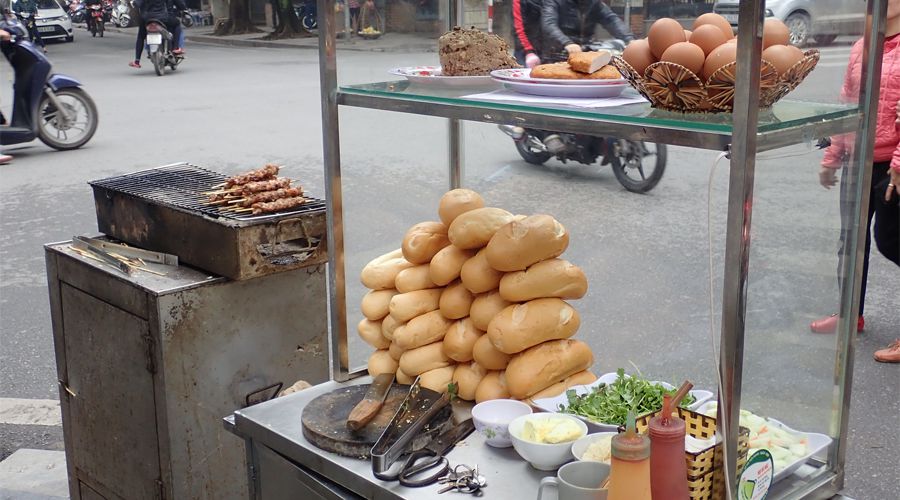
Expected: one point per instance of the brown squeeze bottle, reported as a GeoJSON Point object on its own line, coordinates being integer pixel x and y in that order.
{"type": "Point", "coordinates": [668, 468]}
{"type": "Point", "coordinates": [629, 476]}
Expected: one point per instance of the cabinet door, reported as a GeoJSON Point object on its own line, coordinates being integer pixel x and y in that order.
{"type": "Point", "coordinates": [112, 413]}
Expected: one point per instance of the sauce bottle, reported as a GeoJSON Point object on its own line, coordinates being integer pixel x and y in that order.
{"type": "Point", "coordinates": [668, 468]}
{"type": "Point", "coordinates": [629, 477]}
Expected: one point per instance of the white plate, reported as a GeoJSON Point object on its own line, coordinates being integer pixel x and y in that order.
{"type": "Point", "coordinates": [549, 90]}
{"type": "Point", "coordinates": [815, 443]}
{"type": "Point", "coordinates": [523, 75]}
{"type": "Point", "coordinates": [431, 75]}
{"type": "Point", "coordinates": [552, 404]}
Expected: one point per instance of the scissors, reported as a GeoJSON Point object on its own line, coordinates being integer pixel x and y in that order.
{"type": "Point", "coordinates": [431, 459]}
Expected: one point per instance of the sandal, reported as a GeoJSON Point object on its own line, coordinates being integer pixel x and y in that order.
{"type": "Point", "coordinates": [135, 64]}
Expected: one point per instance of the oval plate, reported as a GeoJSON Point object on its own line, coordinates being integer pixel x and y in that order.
{"type": "Point", "coordinates": [431, 75]}
{"type": "Point", "coordinates": [523, 75]}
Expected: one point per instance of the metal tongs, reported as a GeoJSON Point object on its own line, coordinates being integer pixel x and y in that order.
{"type": "Point", "coordinates": [417, 409]}
{"type": "Point", "coordinates": [108, 252]}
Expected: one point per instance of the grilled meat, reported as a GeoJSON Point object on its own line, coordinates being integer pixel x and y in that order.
{"type": "Point", "coordinates": [260, 186]}
{"type": "Point", "coordinates": [261, 174]}
{"type": "Point", "coordinates": [278, 205]}
{"type": "Point", "coordinates": [270, 196]}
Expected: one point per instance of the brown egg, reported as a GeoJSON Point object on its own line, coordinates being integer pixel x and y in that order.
{"type": "Point", "coordinates": [715, 20]}
{"type": "Point", "coordinates": [638, 55]}
{"type": "Point", "coordinates": [686, 54]}
{"type": "Point", "coordinates": [662, 34]}
{"type": "Point", "coordinates": [707, 37]}
{"type": "Point", "coordinates": [782, 57]}
{"type": "Point", "coordinates": [775, 32]}
{"type": "Point", "coordinates": [724, 54]}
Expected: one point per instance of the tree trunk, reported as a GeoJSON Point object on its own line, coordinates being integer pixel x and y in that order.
{"type": "Point", "coordinates": [288, 25]}
{"type": "Point", "coordinates": [238, 19]}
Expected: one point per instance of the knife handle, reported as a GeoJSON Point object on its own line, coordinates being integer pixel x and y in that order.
{"type": "Point", "coordinates": [362, 414]}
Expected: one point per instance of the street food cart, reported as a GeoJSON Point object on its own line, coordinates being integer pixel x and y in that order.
{"type": "Point", "coordinates": [285, 464]}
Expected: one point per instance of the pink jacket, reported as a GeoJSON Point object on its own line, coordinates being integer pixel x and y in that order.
{"type": "Point", "coordinates": [887, 132]}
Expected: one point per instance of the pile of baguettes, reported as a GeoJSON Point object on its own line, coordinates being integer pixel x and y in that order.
{"type": "Point", "coordinates": [477, 300]}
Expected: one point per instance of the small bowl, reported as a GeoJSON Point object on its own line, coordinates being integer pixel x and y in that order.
{"type": "Point", "coordinates": [581, 445]}
{"type": "Point", "coordinates": [492, 419]}
{"type": "Point", "coordinates": [543, 456]}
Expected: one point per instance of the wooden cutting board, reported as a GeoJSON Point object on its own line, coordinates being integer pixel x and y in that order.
{"type": "Point", "coordinates": [324, 421]}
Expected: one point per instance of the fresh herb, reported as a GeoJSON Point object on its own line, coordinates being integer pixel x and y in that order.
{"type": "Point", "coordinates": [610, 403]}
{"type": "Point", "coordinates": [453, 390]}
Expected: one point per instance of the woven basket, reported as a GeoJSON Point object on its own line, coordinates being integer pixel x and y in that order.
{"type": "Point", "coordinates": [675, 88]}
{"type": "Point", "coordinates": [704, 469]}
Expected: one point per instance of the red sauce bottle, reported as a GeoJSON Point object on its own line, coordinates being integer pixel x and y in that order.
{"type": "Point", "coordinates": [668, 467]}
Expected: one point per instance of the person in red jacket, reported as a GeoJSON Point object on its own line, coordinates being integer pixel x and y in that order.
{"type": "Point", "coordinates": [527, 26]}
{"type": "Point", "coordinates": [885, 188]}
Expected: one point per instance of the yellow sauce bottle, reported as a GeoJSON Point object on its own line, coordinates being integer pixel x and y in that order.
{"type": "Point", "coordinates": [629, 477]}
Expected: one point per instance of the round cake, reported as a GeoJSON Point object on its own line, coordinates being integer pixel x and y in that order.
{"type": "Point", "coordinates": [472, 52]}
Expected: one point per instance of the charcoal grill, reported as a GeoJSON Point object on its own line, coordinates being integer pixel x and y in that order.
{"type": "Point", "coordinates": [163, 209]}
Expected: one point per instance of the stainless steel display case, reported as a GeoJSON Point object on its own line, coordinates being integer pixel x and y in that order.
{"type": "Point", "coordinates": [148, 365]}
{"type": "Point", "coordinates": [744, 133]}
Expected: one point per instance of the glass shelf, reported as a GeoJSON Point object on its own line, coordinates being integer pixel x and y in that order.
{"type": "Point", "coordinates": [787, 122]}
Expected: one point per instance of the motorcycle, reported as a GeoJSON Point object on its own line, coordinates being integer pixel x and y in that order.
{"type": "Point", "coordinates": [46, 106]}
{"type": "Point", "coordinates": [637, 165]}
{"type": "Point", "coordinates": [121, 14]}
{"type": "Point", "coordinates": [107, 10]}
{"type": "Point", "coordinates": [306, 12]}
{"type": "Point", "coordinates": [159, 47]}
{"type": "Point", "coordinates": [95, 19]}
{"type": "Point", "coordinates": [76, 11]}
{"type": "Point", "coordinates": [187, 20]}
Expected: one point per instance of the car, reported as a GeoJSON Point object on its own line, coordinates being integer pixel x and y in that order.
{"type": "Point", "coordinates": [53, 21]}
{"type": "Point", "coordinates": [819, 20]}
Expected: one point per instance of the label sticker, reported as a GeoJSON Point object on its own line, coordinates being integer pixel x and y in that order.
{"type": "Point", "coordinates": [757, 477]}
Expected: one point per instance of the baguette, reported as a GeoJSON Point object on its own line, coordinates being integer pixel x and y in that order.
{"type": "Point", "coordinates": [459, 341]}
{"type": "Point", "coordinates": [380, 272]}
{"type": "Point", "coordinates": [406, 306]}
{"type": "Point", "coordinates": [492, 386]}
{"type": "Point", "coordinates": [375, 303]}
{"type": "Point", "coordinates": [474, 229]}
{"type": "Point", "coordinates": [447, 264]}
{"type": "Point", "coordinates": [438, 379]}
{"type": "Point", "coordinates": [370, 331]}
{"type": "Point", "coordinates": [541, 366]}
{"type": "Point", "coordinates": [485, 354]}
{"type": "Point", "coordinates": [550, 278]}
{"type": "Point", "coordinates": [519, 244]}
{"type": "Point", "coordinates": [381, 362]}
{"type": "Point", "coordinates": [589, 62]}
{"type": "Point", "coordinates": [485, 307]}
{"type": "Point", "coordinates": [581, 378]}
{"type": "Point", "coordinates": [520, 326]}
{"type": "Point", "coordinates": [414, 278]}
{"type": "Point", "coordinates": [456, 202]}
{"type": "Point", "coordinates": [421, 359]}
{"type": "Point", "coordinates": [421, 330]}
{"type": "Point", "coordinates": [395, 351]}
{"type": "Point", "coordinates": [424, 240]}
{"type": "Point", "coordinates": [478, 276]}
{"type": "Point", "coordinates": [389, 326]}
{"type": "Point", "coordinates": [467, 376]}
{"type": "Point", "coordinates": [403, 378]}
{"type": "Point", "coordinates": [456, 300]}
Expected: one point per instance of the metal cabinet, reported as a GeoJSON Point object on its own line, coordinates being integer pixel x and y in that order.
{"type": "Point", "coordinates": [149, 364]}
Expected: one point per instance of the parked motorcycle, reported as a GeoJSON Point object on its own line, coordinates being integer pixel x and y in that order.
{"type": "Point", "coordinates": [95, 19]}
{"type": "Point", "coordinates": [187, 20]}
{"type": "Point", "coordinates": [159, 47]}
{"type": "Point", "coordinates": [306, 12]}
{"type": "Point", "coordinates": [46, 106]}
{"type": "Point", "coordinates": [637, 165]}
{"type": "Point", "coordinates": [121, 14]}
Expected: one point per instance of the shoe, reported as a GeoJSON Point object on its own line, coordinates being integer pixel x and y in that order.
{"type": "Point", "coordinates": [4, 159]}
{"type": "Point", "coordinates": [135, 64]}
{"type": "Point", "coordinates": [829, 324]}
{"type": "Point", "coordinates": [45, 50]}
{"type": "Point", "coordinates": [178, 52]}
{"type": "Point", "coordinates": [890, 354]}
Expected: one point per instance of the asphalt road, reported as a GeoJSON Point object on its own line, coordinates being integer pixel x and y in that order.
{"type": "Point", "coordinates": [646, 256]}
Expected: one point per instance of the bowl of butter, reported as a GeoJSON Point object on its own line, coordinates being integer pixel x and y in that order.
{"type": "Point", "coordinates": [596, 447]}
{"type": "Point", "coordinates": [545, 439]}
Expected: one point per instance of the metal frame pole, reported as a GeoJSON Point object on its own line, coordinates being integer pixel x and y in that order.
{"type": "Point", "coordinates": [860, 175]}
{"type": "Point", "coordinates": [456, 140]}
{"type": "Point", "coordinates": [737, 239]}
{"type": "Point", "coordinates": [337, 298]}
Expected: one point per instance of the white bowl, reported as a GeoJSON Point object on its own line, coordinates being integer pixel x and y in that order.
{"type": "Point", "coordinates": [581, 445]}
{"type": "Point", "coordinates": [492, 419]}
{"type": "Point", "coordinates": [543, 456]}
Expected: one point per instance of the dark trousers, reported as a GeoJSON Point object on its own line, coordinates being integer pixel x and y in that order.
{"type": "Point", "coordinates": [887, 223]}
{"type": "Point", "coordinates": [34, 34]}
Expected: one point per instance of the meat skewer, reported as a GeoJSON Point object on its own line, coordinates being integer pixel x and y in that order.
{"type": "Point", "coordinates": [267, 196]}
{"type": "Point", "coordinates": [274, 206]}
{"type": "Point", "coordinates": [261, 174]}
{"type": "Point", "coordinates": [260, 186]}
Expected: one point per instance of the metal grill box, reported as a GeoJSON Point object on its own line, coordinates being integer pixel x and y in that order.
{"type": "Point", "coordinates": [162, 209]}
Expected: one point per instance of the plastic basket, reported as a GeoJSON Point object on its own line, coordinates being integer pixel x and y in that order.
{"type": "Point", "coordinates": [704, 469]}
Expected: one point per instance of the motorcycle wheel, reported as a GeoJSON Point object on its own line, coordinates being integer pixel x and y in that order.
{"type": "Point", "coordinates": [159, 62]}
{"type": "Point", "coordinates": [531, 154]}
{"type": "Point", "coordinates": [635, 157]}
{"type": "Point", "coordinates": [309, 22]}
{"type": "Point", "coordinates": [124, 21]}
{"type": "Point", "coordinates": [187, 20]}
{"type": "Point", "coordinates": [72, 135]}
{"type": "Point", "coordinates": [100, 28]}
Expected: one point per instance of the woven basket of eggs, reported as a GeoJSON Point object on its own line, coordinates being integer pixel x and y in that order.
{"type": "Point", "coordinates": [695, 70]}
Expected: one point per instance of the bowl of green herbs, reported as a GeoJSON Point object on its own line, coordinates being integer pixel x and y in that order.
{"type": "Point", "coordinates": [604, 404]}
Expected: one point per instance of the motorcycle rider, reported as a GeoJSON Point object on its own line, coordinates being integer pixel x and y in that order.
{"type": "Point", "coordinates": [87, 5]}
{"type": "Point", "coordinates": [160, 10]}
{"type": "Point", "coordinates": [569, 24]}
{"type": "Point", "coordinates": [24, 8]}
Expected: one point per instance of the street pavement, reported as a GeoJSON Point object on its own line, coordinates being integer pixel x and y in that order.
{"type": "Point", "coordinates": [231, 107]}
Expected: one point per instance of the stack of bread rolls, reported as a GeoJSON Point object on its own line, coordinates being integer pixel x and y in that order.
{"type": "Point", "coordinates": [479, 300]}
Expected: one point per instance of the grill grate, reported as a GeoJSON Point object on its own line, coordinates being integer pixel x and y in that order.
{"type": "Point", "coordinates": [182, 185]}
